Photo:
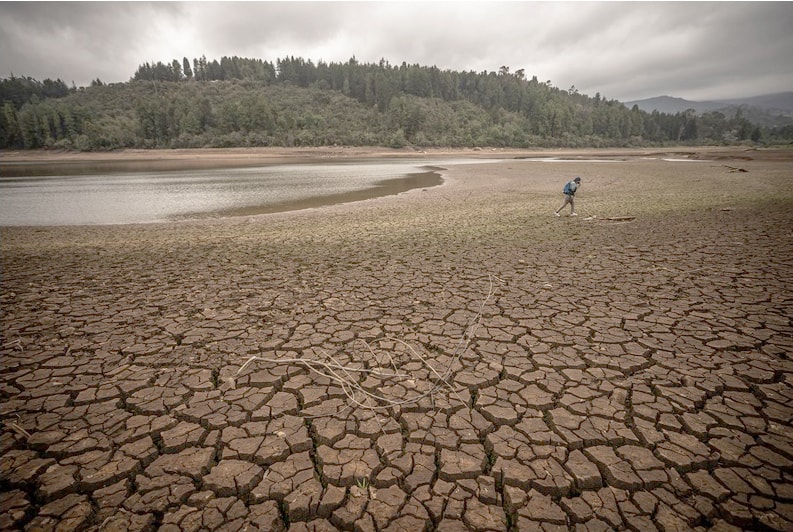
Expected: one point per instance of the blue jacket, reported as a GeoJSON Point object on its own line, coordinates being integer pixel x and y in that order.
{"type": "Point", "coordinates": [570, 188]}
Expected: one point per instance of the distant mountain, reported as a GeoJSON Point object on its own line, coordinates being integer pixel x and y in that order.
{"type": "Point", "coordinates": [671, 105]}
{"type": "Point", "coordinates": [781, 102]}
{"type": "Point", "coordinates": [767, 109]}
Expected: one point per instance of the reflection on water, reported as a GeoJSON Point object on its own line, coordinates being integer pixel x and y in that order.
{"type": "Point", "coordinates": [104, 198]}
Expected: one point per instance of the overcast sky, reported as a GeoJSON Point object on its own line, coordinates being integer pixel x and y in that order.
{"type": "Point", "coordinates": [622, 50]}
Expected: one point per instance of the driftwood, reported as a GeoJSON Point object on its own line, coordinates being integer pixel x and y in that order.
{"type": "Point", "coordinates": [594, 218]}
{"type": "Point", "coordinates": [735, 169]}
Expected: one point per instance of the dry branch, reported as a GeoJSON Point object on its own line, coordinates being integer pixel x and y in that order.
{"type": "Point", "coordinates": [357, 395]}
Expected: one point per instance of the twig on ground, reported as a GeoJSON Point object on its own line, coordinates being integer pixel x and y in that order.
{"type": "Point", "coordinates": [16, 427]}
{"type": "Point", "coordinates": [355, 392]}
{"type": "Point", "coordinates": [16, 344]}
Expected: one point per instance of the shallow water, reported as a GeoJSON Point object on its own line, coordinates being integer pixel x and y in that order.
{"type": "Point", "coordinates": [144, 197]}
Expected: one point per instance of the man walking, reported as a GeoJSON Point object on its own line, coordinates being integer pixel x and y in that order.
{"type": "Point", "coordinates": [569, 196]}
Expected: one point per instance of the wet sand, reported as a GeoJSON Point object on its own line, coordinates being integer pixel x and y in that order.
{"type": "Point", "coordinates": [631, 367]}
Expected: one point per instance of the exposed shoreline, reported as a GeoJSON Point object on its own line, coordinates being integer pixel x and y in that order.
{"type": "Point", "coordinates": [469, 196]}
{"type": "Point", "coordinates": [46, 162]}
{"type": "Point", "coordinates": [12, 162]}
{"type": "Point", "coordinates": [384, 188]}
{"type": "Point", "coordinates": [625, 354]}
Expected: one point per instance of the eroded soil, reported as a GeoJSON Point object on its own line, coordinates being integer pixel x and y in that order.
{"type": "Point", "coordinates": [628, 368]}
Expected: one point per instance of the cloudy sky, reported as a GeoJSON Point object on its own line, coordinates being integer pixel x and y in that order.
{"type": "Point", "coordinates": [622, 50]}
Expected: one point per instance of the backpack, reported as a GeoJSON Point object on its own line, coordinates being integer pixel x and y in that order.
{"type": "Point", "coordinates": [567, 188]}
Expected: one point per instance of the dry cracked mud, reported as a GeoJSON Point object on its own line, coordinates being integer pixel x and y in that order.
{"type": "Point", "coordinates": [487, 366]}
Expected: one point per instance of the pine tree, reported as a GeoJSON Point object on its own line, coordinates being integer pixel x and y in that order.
{"type": "Point", "coordinates": [188, 73]}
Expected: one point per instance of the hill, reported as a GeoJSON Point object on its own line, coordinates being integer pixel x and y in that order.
{"type": "Point", "coordinates": [238, 102]}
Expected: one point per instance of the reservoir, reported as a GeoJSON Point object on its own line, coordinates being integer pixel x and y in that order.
{"type": "Point", "coordinates": [145, 197]}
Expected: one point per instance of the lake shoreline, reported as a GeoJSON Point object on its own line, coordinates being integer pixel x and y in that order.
{"type": "Point", "coordinates": [42, 162]}
{"type": "Point", "coordinates": [380, 189]}
{"type": "Point", "coordinates": [93, 194]}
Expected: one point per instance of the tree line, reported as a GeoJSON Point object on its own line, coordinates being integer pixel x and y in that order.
{"type": "Point", "coordinates": [295, 102]}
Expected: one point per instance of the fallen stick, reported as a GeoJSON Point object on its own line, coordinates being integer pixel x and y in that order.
{"type": "Point", "coordinates": [619, 218]}
{"type": "Point", "coordinates": [343, 375]}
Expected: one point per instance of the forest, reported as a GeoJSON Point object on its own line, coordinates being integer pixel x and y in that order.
{"type": "Point", "coordinates": [239, 102]}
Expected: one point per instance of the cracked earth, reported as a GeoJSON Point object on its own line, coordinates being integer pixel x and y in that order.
{"type": "Point", "coordinates": [497, 368]}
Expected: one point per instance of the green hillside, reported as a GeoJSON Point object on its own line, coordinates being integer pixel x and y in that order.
{"type": "Point", "coordinates": [239, 102]}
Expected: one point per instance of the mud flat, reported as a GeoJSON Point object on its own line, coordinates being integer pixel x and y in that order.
{"type": "Point", "coordinates": [452, 358]}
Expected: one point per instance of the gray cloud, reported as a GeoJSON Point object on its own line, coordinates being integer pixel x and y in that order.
{"type": "Point", "coordinates": [622, 50]}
